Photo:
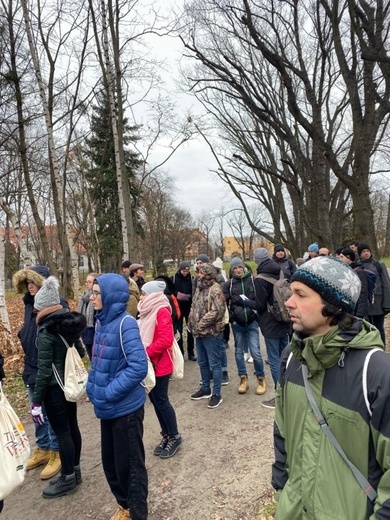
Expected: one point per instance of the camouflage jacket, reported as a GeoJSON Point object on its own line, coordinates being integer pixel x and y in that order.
{"type": "Point", "coordinates": [207, 310]}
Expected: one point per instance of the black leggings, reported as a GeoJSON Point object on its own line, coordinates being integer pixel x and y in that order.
{"type": "Point", "coordinates": [63, 419]}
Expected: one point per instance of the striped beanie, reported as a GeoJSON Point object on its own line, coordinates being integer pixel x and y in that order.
{"type": "Point", "coordinates": [332, 279]}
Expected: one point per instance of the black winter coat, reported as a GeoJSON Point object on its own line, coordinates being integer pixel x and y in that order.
{"type": "Point", "coordinates": [28, 338]}
{"type": "Point", "coordinates": [240, 312]}
{"type": "Point", "coordinates": [270, 328]}
{"type": "Point", "coordinates": [363, 305]}
{"type": "Point", "coordinates": [288, 266]}
{"type": "Point", "coordinates": [51, 348]}
{"type": "Point", "coordinates": [381, 303]}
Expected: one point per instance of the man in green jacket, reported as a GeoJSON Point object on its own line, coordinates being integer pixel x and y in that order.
{"type": "Point", "coordinates": [349, 376]}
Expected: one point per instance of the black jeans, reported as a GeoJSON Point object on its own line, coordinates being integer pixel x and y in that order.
{"type": "Point", "coordinates": [123, 457]}
{"type": "Point", "coordinates": [378, 320]}
{"type": "Point", "coordinates": [164, 410]}
{"type": "Point", "coordinates": [185, 308]}
{"type": "Point", "coordinates": [63, 419]}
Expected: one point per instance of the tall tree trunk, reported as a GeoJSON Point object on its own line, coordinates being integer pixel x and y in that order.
{"type": "Point", "coordinates": [52, 148]}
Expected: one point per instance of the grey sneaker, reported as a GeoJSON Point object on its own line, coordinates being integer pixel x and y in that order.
{"type": "Point", "coordinates": [269, 404]}
{"type": "Point", "coordinates": [201, 394]}
{"type": "Point", "coordinates": [158, 449]}
{"type": "Point", "coordinates": [215, 401]}
{"type": "Point", "coordinates": [171, 447]}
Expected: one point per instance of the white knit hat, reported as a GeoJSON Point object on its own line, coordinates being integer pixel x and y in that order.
{"type": "Point", "coordinates": [154, 287]}
{"type": "Point", "coordinates": [48, 294]}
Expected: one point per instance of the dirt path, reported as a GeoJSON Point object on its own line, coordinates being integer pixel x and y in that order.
{"type": "Point", "coordinates": [220, 473]}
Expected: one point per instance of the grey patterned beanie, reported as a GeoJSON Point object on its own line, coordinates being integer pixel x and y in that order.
{"type": "Point", "coordinates": [332, 279]}
{"type": "Point", "coordinates": [48, 294]}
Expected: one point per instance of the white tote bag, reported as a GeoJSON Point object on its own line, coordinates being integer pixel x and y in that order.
{"type": "Point", "coordinates": [75, 374]}
{"type": "Point", "coordinates": [15, 448]}
{"type": "Point", "coordinates": [177, 361]}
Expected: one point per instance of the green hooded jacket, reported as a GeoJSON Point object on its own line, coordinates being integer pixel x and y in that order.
{"type": "Point", "coordinates": [312, 480]}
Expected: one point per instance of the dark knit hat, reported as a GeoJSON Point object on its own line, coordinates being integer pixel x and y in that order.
{"type": "Point", "coordinates": [278, 247]}
{"type": "Point", "coordinates": [332, 279]}
{"type": "Point", "coordinates": [42, 270]}
{"type": "Point", "coordinates": [362, 246]}
{"type": "Point", "coordinates": [349, 253]}
{"type": "Point", "coordinates": [126, 263]}
{"type": "Point", "coordinates": [236, 262]}
{"type": "Point", "coordinates": [203, 258]}
{"type": "Point", "coordinates": [184, 265]}
{"type": "Point", "coordinates": [48, 294]}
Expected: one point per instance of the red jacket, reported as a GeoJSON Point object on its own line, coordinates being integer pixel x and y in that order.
{"type": "Point", "coordinates": [160, 350]}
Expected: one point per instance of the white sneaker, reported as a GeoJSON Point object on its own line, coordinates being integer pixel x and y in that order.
{"type": "Point", "coordinates": [246, 356]}
{"type": "Point", "coordinates": [250, 359]}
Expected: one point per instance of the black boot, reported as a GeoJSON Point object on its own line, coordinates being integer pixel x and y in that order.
{"type": "Point", "coordinates": [77, 472]}
{"type": "Point", "coordinates": [65, 485]}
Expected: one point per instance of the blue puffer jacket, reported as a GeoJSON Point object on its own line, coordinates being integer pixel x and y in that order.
{"type": "Point", "coordinates": [114, 382]}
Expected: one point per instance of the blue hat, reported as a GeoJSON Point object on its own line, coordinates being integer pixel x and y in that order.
{"type": "Point", "coordinates": [313, 248]}
{"type": "Point", "coordinates": [332, 279]}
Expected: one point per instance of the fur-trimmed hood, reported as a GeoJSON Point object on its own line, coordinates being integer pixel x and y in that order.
{"type": "Point", "coordinates": [22, 277]}
{"type": "Point", "coordinates": [68, 324]}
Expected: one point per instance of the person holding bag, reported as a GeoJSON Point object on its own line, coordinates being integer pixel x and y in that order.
{"type": "Point", "coordinates": [54, 321]}
{"type": "Point", "coordinates": [119, 366]}
{"type": "Point", "coordinates": [156, 329]}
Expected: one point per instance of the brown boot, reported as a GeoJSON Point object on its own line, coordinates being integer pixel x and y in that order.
{"type": "Point", "coordinates": [52, 467]}
{"type": "Point", "coordinates": [38, 458]}
{"type": "Point", "coordinates": [244, 386]}
{"type": "Point", "coordinates": [262, 387]}
{"type": "Point", "coordinates": [121, 514]}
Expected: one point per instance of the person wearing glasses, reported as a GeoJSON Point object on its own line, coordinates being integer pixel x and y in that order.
{"type": "Point", "coordinates": [85, 308]}
{"type": "Point", "coordinates": [119, 365]}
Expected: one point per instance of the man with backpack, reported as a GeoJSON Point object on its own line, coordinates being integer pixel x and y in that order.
{"type": "Point", "coordinates": [240, 295]}
{"type": "Point", "coordinates": [331, 433]}
{"type": "Point", "coordinates": [272, 325]}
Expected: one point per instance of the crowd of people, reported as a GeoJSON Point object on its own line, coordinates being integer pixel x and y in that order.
{"type": "Point", "coordinates": [331, 342]}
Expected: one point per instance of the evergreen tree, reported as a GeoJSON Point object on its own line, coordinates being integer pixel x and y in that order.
{"type": "Point", "coordinates": [103, 181]}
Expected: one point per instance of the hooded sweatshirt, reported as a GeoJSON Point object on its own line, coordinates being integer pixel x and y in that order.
{"type": "Point", "coordinates": [312, 480]}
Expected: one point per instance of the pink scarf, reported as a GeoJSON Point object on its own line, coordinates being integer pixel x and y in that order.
{"type": "Point", "coordinates": [148, 309]}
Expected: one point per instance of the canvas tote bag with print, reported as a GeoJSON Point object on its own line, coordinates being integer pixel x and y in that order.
{"type": "Point", "coordinates": [15, 448]}
{"type": "Point", "coordinates": [75, 374]}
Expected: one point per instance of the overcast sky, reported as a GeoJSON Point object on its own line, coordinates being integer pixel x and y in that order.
{"type": "Point", "coordinates": [197, 188]}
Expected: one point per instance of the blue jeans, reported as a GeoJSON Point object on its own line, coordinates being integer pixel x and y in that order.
{"type": "Point", "coordinates": [45, 437]}
{"type": "Point", "coordinates": [223, 355]}
{"type": "Point", "coordinates": [275, 347]}
{"type": "Point", "coordinates": [248, 337]}
{"type": "Point", "coordinates": [164, 410]}
{"type": "Point", "coordinates": [208, 351]}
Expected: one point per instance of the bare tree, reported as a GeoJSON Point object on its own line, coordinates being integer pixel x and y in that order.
{"type": "Point", "coordinates": [313, 95]}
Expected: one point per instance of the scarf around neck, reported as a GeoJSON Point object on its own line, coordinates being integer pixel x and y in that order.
{"type": "Point", "coordinates": [148, 309]}
{"type": "Point", "coordinates": [85, 307]}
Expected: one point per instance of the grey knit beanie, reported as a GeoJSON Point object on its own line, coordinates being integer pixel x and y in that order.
{"type": "Point", "coordinates": [203, 258]}
{"type": "Point", "coordinates": [154, 287]}
{"type": "Point", "coordinates": [332, 279]}
{"type": "Point", "coordinates": [48, 294]}
{"type": "Point", "coordinates": [236, 262]}
{"type": "Point", "coordinates": [260, 254]}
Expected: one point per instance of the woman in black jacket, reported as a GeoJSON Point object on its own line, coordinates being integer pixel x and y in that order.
{"type": "Point", "coordinates": [53, 322]}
